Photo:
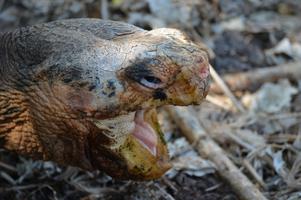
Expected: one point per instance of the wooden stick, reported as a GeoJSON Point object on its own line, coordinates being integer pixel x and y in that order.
{"type": "Point", "coordinates": [219, 81]}
{"type": "Point", "coordinates": [207, 148]}
{"type": "Point", "coordinates": [104, 9]}
{"type": "Point", "coordinates": [253, 172]}
{"type": "Point", "coordinates": [252, 80]}
{"type": "Point", "coordinates": [1, 4]}
{"type": "Point", "coordinates": [8, 167]}
{"type": "Point", "coordinates": [218, 102]}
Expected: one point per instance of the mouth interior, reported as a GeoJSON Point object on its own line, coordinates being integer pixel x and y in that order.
{"type": "Point", "coordinates": [144, 133]}
{"type": "Point", "coordinates": [134, 123]}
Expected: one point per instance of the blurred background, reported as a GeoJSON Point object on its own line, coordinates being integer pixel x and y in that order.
{"type": "Point", "coordinates": [259, 130]}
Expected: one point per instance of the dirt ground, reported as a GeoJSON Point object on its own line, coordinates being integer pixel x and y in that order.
{"type": "Point", "coordinates": [263, 139]}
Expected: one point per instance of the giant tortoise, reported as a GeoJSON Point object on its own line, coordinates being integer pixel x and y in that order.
{"type": "Point", "coordinates": [84, 92]}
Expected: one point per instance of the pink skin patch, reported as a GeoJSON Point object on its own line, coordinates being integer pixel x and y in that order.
{"type": "Point", "coordinates": [204, 71]}
{"type": "Point", "coordinates": [144, 133]}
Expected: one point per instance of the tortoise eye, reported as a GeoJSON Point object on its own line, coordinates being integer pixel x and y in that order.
{"type": "Point", "coordinates": [150, 82]}
{"type": "Point", "coordinates": [141, 73]}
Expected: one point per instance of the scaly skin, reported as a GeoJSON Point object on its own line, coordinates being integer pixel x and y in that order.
{"type": "Point", "coordinates": [69, 91]}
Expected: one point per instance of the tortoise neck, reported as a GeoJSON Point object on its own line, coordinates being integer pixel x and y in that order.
{"type": "Point", "coordinates": [16, 130]}
{"type": "Point", "coordinates": [4, 40]}
{"type": "Point", "coordinates": [9, 59]}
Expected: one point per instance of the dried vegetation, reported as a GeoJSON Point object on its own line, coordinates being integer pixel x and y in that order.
{"type": "Point", "coordinates": [244, 142]}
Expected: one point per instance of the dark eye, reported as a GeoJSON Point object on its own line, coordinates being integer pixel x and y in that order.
{"type": "Point", "coordinates": [151, 82]}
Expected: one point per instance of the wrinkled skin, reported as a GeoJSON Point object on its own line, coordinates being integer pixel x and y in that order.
{"type": "Point", "coordinates": [83, 92]}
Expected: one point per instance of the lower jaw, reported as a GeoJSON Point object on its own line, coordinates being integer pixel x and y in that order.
{"type": "Point", "coordinates": [142, 163]}
{"type": "Point", "coordinates": [132, 160]}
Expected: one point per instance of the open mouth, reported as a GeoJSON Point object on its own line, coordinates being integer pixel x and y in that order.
{"type": "Point", "coordinates": [137, 143]}
{"type": "Point", "coordinates": [144, 133]}
{"type": "Point", "coordinates": [139, 124]}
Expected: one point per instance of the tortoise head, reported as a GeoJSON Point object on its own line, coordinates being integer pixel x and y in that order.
{"type": "Point", "coordinates": [92, 99]}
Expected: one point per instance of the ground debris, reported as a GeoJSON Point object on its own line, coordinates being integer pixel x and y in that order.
{"type": "Point", "coordinates": [269, 99]}
{"type": "Point", "coordinates": [185, 159]}
{"type": "Point", "coordinates": [264, 141]}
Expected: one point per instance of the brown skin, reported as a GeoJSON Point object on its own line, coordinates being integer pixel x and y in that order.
{"type": "Point", "coordinates": [58, 79]}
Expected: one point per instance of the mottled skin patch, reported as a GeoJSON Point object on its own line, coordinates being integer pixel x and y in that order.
{"type": "Point", "coordinates": [57, 78]}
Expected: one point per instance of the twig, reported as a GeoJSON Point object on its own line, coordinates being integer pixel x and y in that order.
{"type": "Point", "coordinates": [217, 102]}
{"type": "Point", "coordinates": [253, 79]}
{"type": "Point", "coordinates": [219, 81]}
{"type": "Point", "coordinates": [169, 184]}
{"type": "Point", "coordinates": [104, 9]}
{"type": "Point", "coordinates": [239, 141]}
{"type": "Point", "coordinates": [8, 167]}
{"type": "Point", "coordinates": [207, 148]}
{"type": "Point", "coordinates": [22, 187]}
{"type": "Point", "coordinates": [164, 193]}
{"type": "Point", "coordinates": [1, 4]}
{"type": "Point", "coordinates": [281, 138]}
{"type": "Point", "coordinates": [253, 172]}
{"type": "Point", "coordinates": [284, 116]}
{"type": "Point", "coordinates": [214, 187]}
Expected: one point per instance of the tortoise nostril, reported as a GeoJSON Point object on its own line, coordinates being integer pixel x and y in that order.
{"type": "Point", "coordinates": [204, 71]}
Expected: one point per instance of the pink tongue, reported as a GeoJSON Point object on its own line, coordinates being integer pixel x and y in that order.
{"type": "Point", "coordinates": [145, 133]}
